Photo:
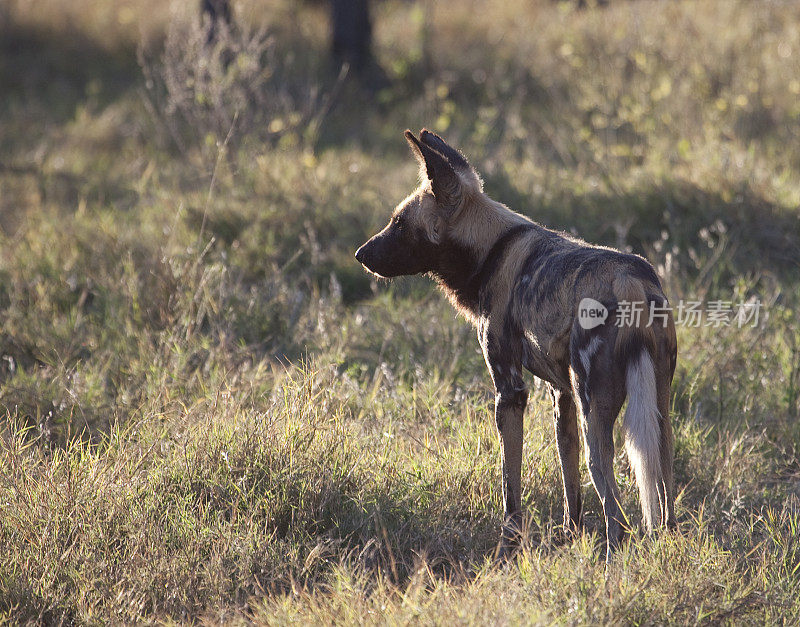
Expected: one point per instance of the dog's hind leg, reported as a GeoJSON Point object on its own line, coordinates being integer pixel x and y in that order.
{"type": "Point", "coordinates": [600, 399]}
{"type": "Point", "coordinates": [565, 418]}
{"type": "Point", "coordinates": [597, 429]}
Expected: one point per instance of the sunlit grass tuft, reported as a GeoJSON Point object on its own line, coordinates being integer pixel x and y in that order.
{"type": "Point", "coordinates": [211, 413]}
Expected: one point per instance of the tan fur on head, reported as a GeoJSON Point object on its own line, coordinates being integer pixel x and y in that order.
{"type": "Point", "coordinates": [470, 217]}
{"type": "Point", "coordinates": [421, 211]}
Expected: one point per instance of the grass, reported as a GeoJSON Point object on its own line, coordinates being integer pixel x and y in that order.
{"type": "Point", "coordinates": [211, 413]}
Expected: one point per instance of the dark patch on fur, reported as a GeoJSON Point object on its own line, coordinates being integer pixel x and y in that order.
{"type": "Point", "coordinates": [633, 343]}
{"type": "Point", "coordinates": [555, 266]}
{"type": "Point", "coordinates": [536, 265]}
{"type": "Point", "coordinates": [673, 360]}
{"type": "Point", "coordinates": [511, 327]}
{"type": "Point", "coordinates": [639, 268]}
{"type": "Point", "coordinates": [398, 250]}
{"type": "Point", "coordinates": [658, 299]}
{"type": "Point", "coordinates": [550, 265]}
{"type": "Point", "coordinates": [455, 267]}
{"type": "Point", "coordinates": [512, 399]}
{"type": "Point", "coordinates": [459, 272]}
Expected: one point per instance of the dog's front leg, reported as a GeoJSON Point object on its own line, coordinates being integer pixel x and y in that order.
{"type": "Point", "coordinates": [504, 361]}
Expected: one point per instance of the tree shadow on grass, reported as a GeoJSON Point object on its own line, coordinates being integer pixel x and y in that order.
{"type": "Point", "coordinates": [387, 538]}
{"type": "Point", "coordinates": [49, 76]}
{"type": "Point", "coordinates": [762, 236]}
{"type": "Point", "coordinates": [61, 70]}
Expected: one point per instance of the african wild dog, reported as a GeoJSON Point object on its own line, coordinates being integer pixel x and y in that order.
{"type": "Point", "coordinates": [521, 285]}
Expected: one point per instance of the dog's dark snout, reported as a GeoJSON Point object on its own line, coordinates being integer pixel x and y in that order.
{"type": "Point", "coordinates": [360, 255]}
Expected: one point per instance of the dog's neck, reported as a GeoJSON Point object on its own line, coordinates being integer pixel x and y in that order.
{"type": "Point", "coordinates": [473, 249]}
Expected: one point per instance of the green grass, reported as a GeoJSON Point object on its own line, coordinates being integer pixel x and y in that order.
{"type": "Point", "coordinates": [211, 413]}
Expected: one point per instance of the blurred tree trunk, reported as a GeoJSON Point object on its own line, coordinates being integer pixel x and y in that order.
{"type": "Point", "coordinates": [351, 33]}
{"type": "Point", "coordinates": [351, 29]}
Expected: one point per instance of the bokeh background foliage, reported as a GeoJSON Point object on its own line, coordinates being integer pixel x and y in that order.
{"type": "Point", "coordinates": [210, 412]}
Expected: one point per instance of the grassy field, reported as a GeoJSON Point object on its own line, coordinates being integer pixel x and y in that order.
{"type": "Point", "coordinates": [211, 413]}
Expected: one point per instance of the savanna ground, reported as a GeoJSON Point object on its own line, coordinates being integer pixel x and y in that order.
{"type": "Point", "coordinates": [211, 413]}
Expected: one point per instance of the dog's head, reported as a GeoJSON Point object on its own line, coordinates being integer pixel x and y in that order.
{"type": "Point", "coordinates": [413, 240]}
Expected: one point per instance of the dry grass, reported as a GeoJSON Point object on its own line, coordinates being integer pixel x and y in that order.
{"type": "Point", "coordinates": [210, 412]}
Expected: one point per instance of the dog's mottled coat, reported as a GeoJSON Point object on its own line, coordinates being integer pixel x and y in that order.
{"type": "Point", "coordinates": [520, 284]}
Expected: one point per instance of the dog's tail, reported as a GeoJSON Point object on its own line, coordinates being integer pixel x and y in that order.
{"type": "Point", "coordinates": [635, 347]}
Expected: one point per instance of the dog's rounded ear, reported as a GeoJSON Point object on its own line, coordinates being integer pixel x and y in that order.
{"type": "Point", "coordinates": [444, 180]}
{"type": "Point", "coordinates": [456, 159]}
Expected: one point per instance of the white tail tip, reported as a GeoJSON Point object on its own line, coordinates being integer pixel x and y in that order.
{"type": "Point", "coordinates": [642, 425]}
